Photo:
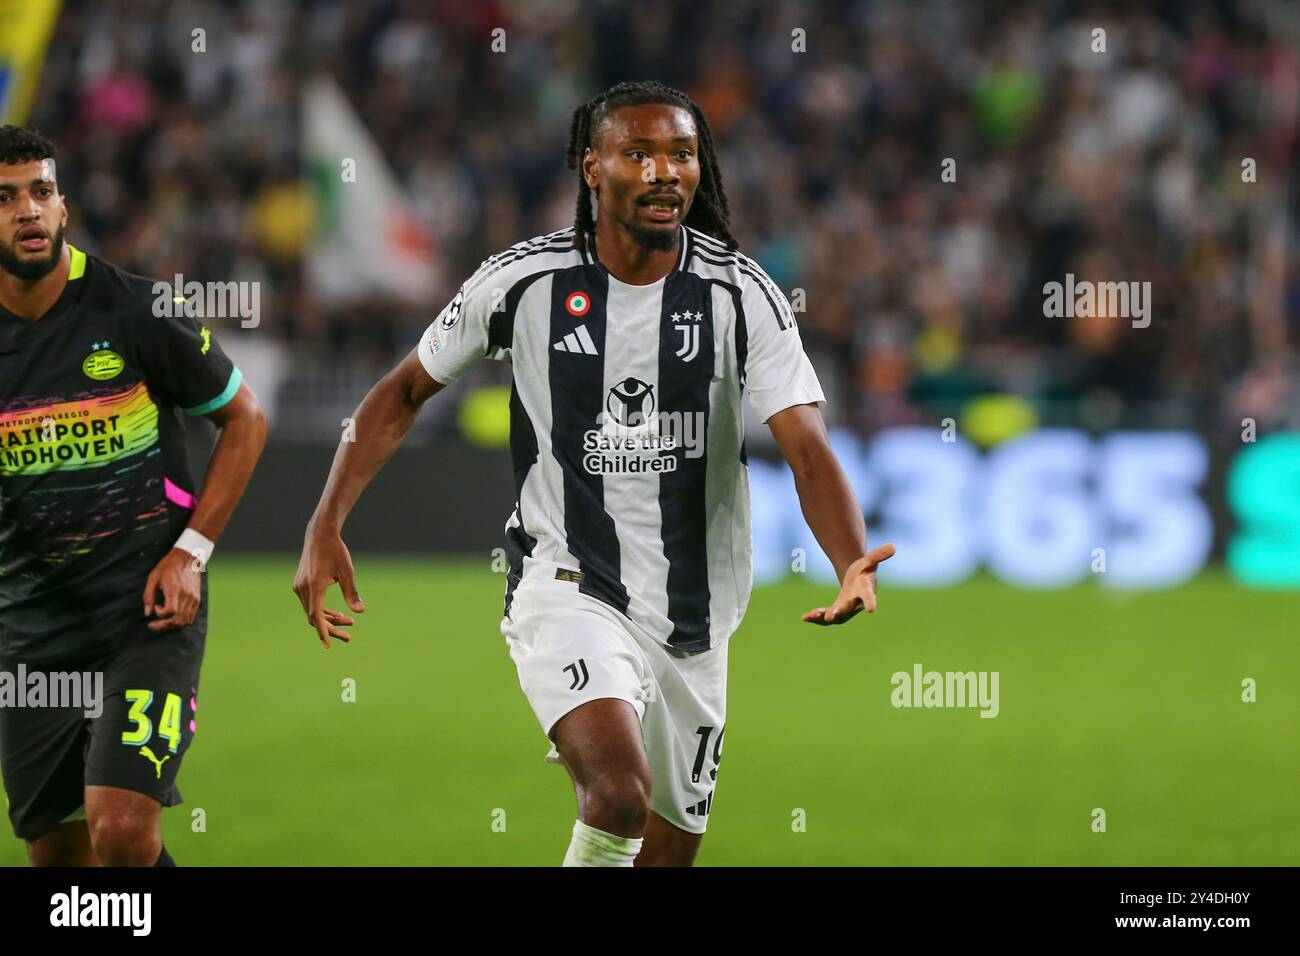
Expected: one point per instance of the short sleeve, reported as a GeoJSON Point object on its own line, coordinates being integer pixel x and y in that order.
{"type": "Point", "coordinates": [461, 336]}
{"type": "Point", "coordinates": [183, 361]}
{"type": "Point", "coordinates": [778, 373]}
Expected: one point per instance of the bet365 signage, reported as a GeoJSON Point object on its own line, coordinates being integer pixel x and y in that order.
{"type": "Point", "coordinates": [1049, 509]}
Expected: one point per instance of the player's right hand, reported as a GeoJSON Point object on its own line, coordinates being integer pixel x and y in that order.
{"type": "Point", "coordinates": [325, 561]}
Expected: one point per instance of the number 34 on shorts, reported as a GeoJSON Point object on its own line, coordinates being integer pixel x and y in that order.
{"type": "Point", "coordinates": [143, 730]}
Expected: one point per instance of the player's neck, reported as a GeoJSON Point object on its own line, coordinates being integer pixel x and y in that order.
{"type": "Point", "coordinates": [630, 262]}
{"type": "Point", "coordinates": [32, 298]}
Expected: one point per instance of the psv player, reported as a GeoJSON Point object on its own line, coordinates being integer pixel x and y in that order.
{"type": "Point", "coordinates": [102, 539]}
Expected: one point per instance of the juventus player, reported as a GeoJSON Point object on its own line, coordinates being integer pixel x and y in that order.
{"type": "Point", "coordinates": [632, 337]}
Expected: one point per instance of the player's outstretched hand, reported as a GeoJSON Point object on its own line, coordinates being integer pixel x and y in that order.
{"type": "Point", "coordinates": [325, 561]}
{"type": "Point", "coordinates": [173, 591]}
{"type": "Point", "coordinates": [858, 592]}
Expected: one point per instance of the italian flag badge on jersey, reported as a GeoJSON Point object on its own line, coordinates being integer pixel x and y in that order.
{"type": "Point", "coordinates": [578, 303]}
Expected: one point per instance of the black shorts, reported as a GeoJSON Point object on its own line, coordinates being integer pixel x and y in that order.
{"type": "Point", "coordinates": [49, 755]}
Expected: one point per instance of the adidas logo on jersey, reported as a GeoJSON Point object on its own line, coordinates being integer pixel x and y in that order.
{"type": "Point", "coordinates": [579, 340]}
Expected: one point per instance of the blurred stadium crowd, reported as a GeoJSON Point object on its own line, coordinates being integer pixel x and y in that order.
{"type": "Point", "coordinates": [919, 294]}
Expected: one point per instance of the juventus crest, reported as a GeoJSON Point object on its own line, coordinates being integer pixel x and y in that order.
{"type": "Point", "coordinates": [688, 323]}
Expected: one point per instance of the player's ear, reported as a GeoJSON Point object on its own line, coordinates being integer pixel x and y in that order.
{"type": "Point", "coordinates": [590, 168]}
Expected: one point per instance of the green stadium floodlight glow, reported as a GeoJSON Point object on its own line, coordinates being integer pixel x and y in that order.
{"type": "Point", "coordinates": [1264, 495]}
{"type": "Point", "coordinates": [989, 420]}
{"type": "Point", "coordinates": [484, 416]}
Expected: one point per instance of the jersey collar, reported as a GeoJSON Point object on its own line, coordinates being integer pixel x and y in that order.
{"type": "Point", "coordinates": [683, 252]}
{"type": "Point", "coordinates": [12, 327]}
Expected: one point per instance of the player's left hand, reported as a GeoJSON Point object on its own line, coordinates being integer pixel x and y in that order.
{"type": "Point", "coordinates": [173, 591]}
{"type": "Point", "coordinates": [858, 592]}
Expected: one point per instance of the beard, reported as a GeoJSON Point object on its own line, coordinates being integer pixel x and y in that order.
{"type": "Point", "coordinates": [32, 269]}
{"type": "Point", "coordinates": [652, 240]}
{"type": "Point", "coordinates": [648, 238]}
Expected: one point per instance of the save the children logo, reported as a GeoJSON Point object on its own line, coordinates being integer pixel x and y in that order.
{"type": "Point", "coordinates": [632, 438]}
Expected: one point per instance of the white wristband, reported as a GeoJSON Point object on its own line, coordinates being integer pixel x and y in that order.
{"type": "Point", "coordinates": [191, 542]}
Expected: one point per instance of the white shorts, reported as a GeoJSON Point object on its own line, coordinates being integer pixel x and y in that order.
{"type": "Point", "coordinates": [571, 648]}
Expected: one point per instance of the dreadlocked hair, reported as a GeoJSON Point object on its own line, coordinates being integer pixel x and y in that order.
{"type": "Point", "coordinates": [708, 214]}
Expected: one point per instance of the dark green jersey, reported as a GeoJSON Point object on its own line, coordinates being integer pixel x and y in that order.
{"type": "Point", "coordinates": [94, 487]}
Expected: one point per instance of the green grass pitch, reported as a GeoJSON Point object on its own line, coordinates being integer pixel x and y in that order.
{"type": "Point", "coordinates": [1127, 702]}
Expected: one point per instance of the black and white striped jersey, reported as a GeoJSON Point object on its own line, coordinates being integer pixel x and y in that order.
{"type": "Point", "coordinates": [625, 420]}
